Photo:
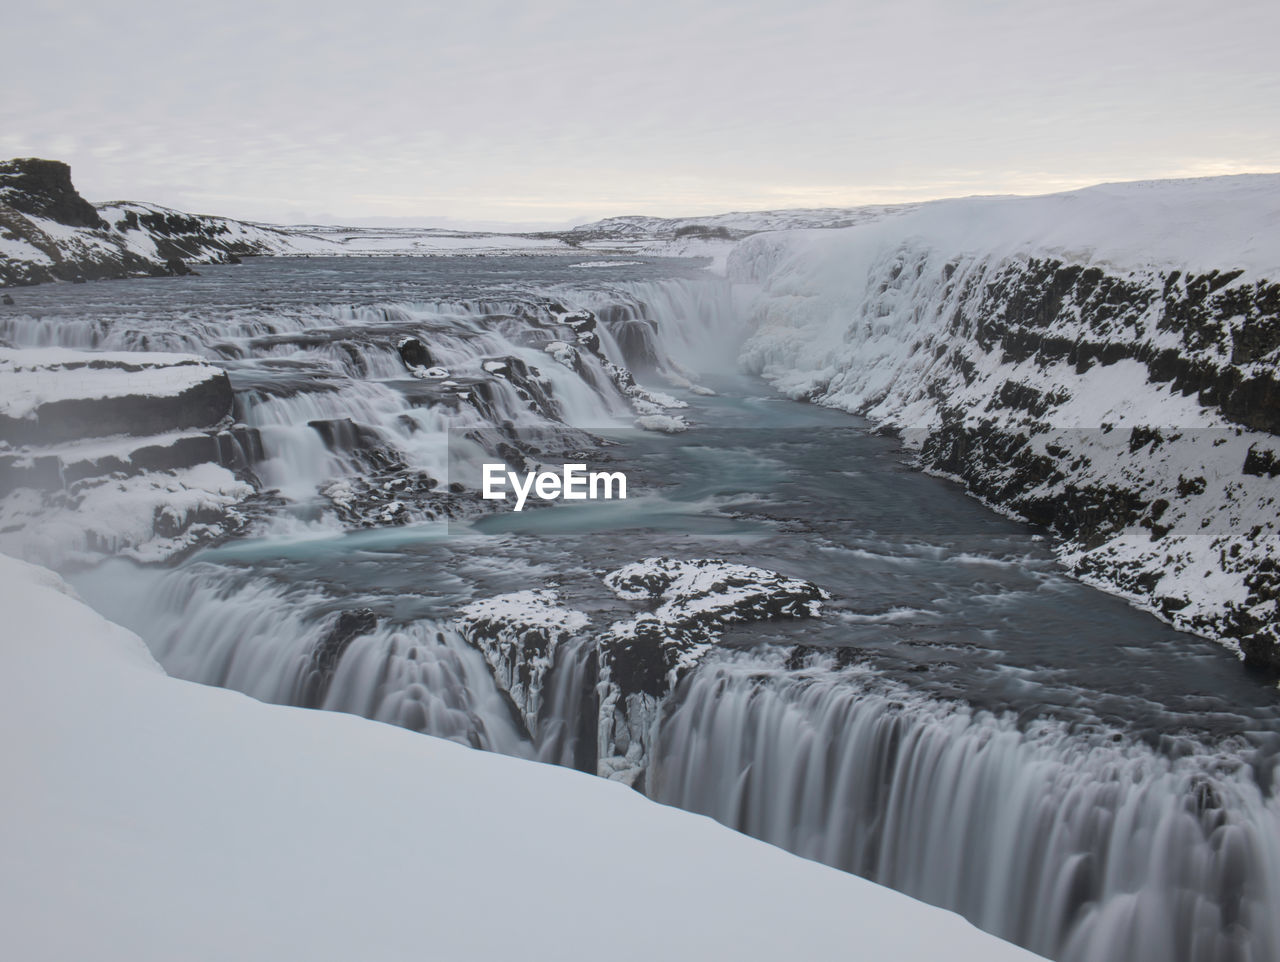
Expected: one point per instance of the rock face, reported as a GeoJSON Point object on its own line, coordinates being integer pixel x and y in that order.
{"type": "Point", "coordinates": [533, 644]}
{"type": "Point", "coordinates": [42, 188]}
{"type": "Point", "coordinates": [643, 658]}
{"type": "Point", "coordinates": [60, 395]}
{"type": "Point", "coordinates": [1131, 410]}
{"type": "Point", "coordinates": [519, 635]}
{"type": "Point", "coordinates": [693, 601]}
{"type": "Point", "coordinates": [48, 232]}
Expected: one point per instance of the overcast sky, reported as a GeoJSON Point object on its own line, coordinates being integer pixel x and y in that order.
{"type": "Point", "coordinates": [560, 111]}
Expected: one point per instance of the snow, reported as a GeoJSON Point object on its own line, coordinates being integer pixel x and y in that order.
{"type": "Point", "coordinates": [148, 517]}
{"type": "Point", "coordinates": [151, 818]}
{"type": "Point", "coordinates": [329, 241]}
{"type": "Point", "coordinates": [533, 609]}
{"type": "Point", "coordinates": [17, 249]}
{"type": "Point", "coordinates": [1192, 224]}
{"type": "Point", "coordinates": [662, 423]}
{"type": "Point", "coordinates": [37, 376]}
{"type": "Point", "coordinates": [727, 591]}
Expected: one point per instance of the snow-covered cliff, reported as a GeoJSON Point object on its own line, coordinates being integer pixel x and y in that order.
{"type": "Point", "coordinates": [1102, 362]}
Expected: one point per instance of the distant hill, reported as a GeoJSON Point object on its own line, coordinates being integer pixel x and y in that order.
{"type": "Point", "coordinates": [48, 232]}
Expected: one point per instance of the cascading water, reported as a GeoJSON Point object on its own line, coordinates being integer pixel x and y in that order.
{"type": "Point", "coordinates": [1080, 845]}
{"type": "Point", "coordinates": [285, 645]}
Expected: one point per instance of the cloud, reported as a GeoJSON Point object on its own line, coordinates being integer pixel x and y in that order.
{"type": "Point", "coordinates": [496, 110]}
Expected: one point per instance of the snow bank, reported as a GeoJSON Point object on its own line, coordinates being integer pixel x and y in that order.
{"type": "Point", "coordinates": [1191, 224]}
{"type": "Point", "coordinates": [150, 818]}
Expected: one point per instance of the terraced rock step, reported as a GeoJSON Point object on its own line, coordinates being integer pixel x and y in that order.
{"type": "Point", "coordinates": [119, 452]}
{"type": "Point", "coordinates": [58, 394]}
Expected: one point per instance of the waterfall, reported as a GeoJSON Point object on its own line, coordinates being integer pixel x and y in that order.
{"type": "Point", "coordinates": [307, 376]}
{"type": "Point", "coordinates": [283, 644]}
{"type": "Point", "coordinates": [1083, 846]}
{"type": "Point", "coordinates": [696, 325]}
{"type": "Point", "coordinates": [566, 722]}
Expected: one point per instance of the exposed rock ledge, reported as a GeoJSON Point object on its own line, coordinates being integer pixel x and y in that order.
{"type": "Point", "coordinates": [59, 394]}
{"type": "Point", "coordinates": [118, 452]}
{"type": "Point", "coordinates": [533, 643]}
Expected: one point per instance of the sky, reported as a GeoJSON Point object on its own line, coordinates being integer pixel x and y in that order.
{"type": "Point", "coordinates": [560, 112]}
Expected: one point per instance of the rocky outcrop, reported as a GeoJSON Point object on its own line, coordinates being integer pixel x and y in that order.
{"type": "Point", "coordinates": [67, 395]}
{"type": "Point", "coordinates": [118, 452]}
{"type": "Point", "coordinates": [45, 469]}
{"type": "Point", "coordinates": [43, 188]}
{"type": "Point", "coordinates": [48, 232]}
{"type": "Point", "coordinates": [643, 658]}
{"type": "Point", "coordinates": [416, 356]}
{"type": "Point", "coordinates": [631, 667]}
{"type": "Point", "coordinates": [519, 635]}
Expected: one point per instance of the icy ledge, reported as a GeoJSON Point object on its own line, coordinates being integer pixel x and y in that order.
{"type": "Point", "coordinates": [150, 818]}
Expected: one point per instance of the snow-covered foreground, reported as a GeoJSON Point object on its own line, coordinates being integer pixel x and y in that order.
{"type": "Point", "coordinates": [150, 818]}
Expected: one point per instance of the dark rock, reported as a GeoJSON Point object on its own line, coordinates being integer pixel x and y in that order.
{"type": "Point", "coordinates": [520, 636]}
{"type": "Point", "coordinates": [699, 599]}
{"type": "Point", "coordinates": [631, 667]}
{"type": "Point", "coordinates": [23, 471]}
{"type": "Point", "coordinates": [202, 405]}
{"type": "Point", "coordinates": [1261, 649]}
{"type": "Point", "coordinates": [43, 188]}
{"type": "Point", "coordinates": [348, 626]}
{"type": "Point", "coordinates": [415, 354]}
{"type": "Point", "coordinates": [237, 449]}
{"type": "Point", "coordinates": [1261, 462]}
